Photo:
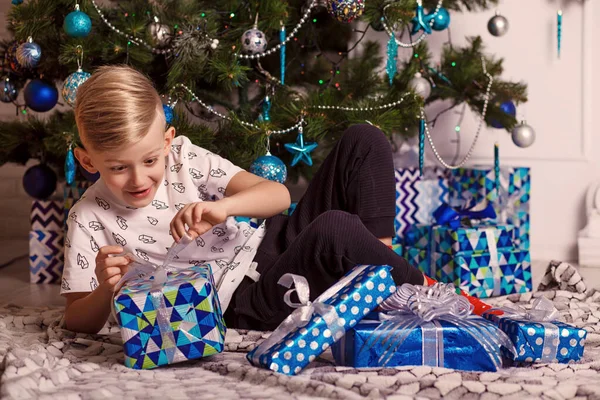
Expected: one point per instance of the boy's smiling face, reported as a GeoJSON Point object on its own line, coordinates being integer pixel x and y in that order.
{"type": "Point", "coordinates": [132, 174]}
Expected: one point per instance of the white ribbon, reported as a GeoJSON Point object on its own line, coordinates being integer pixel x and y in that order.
{"type": "Point", "coordinates": [305, 309]}
{"type": "Point", "coordinates": [494, 261]}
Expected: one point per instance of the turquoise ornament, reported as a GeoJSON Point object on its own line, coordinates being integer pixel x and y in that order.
{"type": "Point", "coordinates": [77, 23]}
{"type": "Point", "coordinates": [71, 85]}
{"type": "Point", "coordinates": [168, 113]}
{"type": "Point", "coordinates": [70, 166]}
{"type": "Point", "coordinates": [301, 150]}
{"type": "Point", "coordinates": [269, 167]}
{"type": "Point", "coordinates": [422, 21]}
{"type": "Point", "coordinates": [392, 58]}
{"type": "Point", "coordinates": [441, 20]}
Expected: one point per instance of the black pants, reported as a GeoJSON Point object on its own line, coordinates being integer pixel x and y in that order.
{"type": "Point", "coordinates": [348, 205]}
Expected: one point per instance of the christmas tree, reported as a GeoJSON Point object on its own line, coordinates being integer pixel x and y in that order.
{"type": "Point", "coordinates": [243, 77]}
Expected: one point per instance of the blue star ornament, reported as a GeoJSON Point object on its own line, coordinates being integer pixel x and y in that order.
{"type": "Point", "coordinates": [422, 21]}
{"type": "Point", "coordinates": [301, 150]}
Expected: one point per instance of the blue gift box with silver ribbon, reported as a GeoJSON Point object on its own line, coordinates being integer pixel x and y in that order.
{"type": "Point", "coordinates": [537, 335]}
{"type": "Point", "coordinates": [430, 326]}
{"type": "Point", "coordinates": [314, 326]}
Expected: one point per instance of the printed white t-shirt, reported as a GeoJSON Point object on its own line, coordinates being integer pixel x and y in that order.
{"type": "Point", "coordinates": [192, 174]}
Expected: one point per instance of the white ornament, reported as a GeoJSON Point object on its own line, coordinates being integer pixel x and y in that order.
{"type": "Point", "coordinates": [420, 86]}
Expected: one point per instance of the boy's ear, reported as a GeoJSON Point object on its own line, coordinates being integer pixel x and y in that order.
{"type": "Point", "coordinates": [169, 136]}
{"type": "Point", "coordinates": [84, 159]}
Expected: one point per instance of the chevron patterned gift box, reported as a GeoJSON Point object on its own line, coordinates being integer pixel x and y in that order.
{"type": "Point", "coordinates": [511, 202]}
{"type": "Point", "coordinates": [46, 256]}
{"type": "Point", "coordinates": [179, 321]}
{"type": "Point", "coordinates": [46, 215]}
{"type": "Point", "coordinates": [418, 196]}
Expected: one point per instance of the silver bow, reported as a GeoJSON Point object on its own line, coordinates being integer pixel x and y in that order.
{"type": "Point", "coordinates": [543, 312]}
{"type": "Point", "coordinates": [305, 310]}
{"type": "Point", "coordinates": [424, 306]}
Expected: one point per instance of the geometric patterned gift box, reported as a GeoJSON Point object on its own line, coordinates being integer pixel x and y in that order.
{"type": "Point", "coordinates": [539, 339]}
{"type": "Point", "coordinates": [46, 256]}
{"type": "Point", "coordinates": [474, 273]}
{"type": "Point", "coordinates": [444, 239]}
{"type": "Point", "coordinates": [180, 321]}
{"type": "Point", "coordinates": [418, 196]}
{"type": "Point", "coordinates": [511, 203]}
{"type": "Point", "coordinates": [313, 327]}
{"type": "Point", "coordinates": [46, 215]}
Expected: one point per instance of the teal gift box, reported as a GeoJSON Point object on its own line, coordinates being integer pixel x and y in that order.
{"type": "Point", "coordinates": [537, 335]}
{"type": "Point", "coordinates": [178, 321]}
{"type": "Point", "coordinates": [449, 240]}
{"type": "Point", "coordinates": [510, 195]}
{"type": "Point", "coordinates": [474, 272]}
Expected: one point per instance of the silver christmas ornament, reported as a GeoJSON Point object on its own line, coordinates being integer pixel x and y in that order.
{"type": "Point", "coordinates": [29, 54]}
{"type": "Point", "coordinates": [498, 25]}
{"type": "Point", "coordinates": [420, 86]}
{"type": "Point", "coordinates": [160, 33]}
{"type": "Point", "coordinates": [523, 135]}
{"type": "Point", "coordinates": [254, 40]}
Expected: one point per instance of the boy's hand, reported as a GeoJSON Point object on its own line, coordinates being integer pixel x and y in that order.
{"type": "Point", "coordinates": [109, 270]}
{"type": "Point", "coordinates": [199, 218]}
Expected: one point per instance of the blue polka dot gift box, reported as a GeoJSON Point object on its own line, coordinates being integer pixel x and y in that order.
{"type": "Point", "coordinates": [314, 326]}
{"type": "Point", "coordinates": [170, 322]}
{"type": "Point", "coordinates": [421, 325]}
{"type": "Point", "coordinates": [537, 335]}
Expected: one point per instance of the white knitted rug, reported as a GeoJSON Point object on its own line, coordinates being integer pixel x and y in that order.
{"type": "Point", "coordinates": [42, 361]}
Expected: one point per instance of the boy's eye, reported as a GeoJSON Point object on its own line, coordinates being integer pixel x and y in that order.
{"type": "Point", "coordinates": [151, 161]}
{"type": "Point", "coordinates": [118, 169]}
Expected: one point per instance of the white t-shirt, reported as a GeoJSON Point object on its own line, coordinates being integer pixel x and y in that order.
{"type": "Point", "coordinates": [192, 174]}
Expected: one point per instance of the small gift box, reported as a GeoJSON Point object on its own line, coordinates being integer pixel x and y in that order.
{"type": "Point", "coordinates": [46, 256]}
{"type": "Point", "coordinates": [537, 335]}
{"type": "Point", "coordinates": [430, 326]}
{"type": "Point", "coordinates": [313, 327]}
{"type": "Point", "coordinates": [169, 319]}
{"type": "Point", "coordinates": [418, 196]}
{"type": "Point", "coordinates": [46, 215]}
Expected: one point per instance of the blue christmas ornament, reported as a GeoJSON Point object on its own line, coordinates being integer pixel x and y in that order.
{"type": "Point", "coordinates": [72, 83]}
{"type": "Point", "coordinates": [168, 113]}
{"type": "Point", "coordinates": [269, 167]}
{"type": "Point", "coordinates": [40, 96]}
{"type": "Point", "coordinates": [441, 20]}
{"type": "Point", "coordinates": [39, 181]}
{"type": "Point", "coordinates": [29, 54]}
{"type": "Point", "coordinates": [17, 2]}
{"type": "Point", "coordinates": [422, 143]}
{"type": "Point", "coordinates": [301, 150]}
{"type": "Point", "coordinates": [392, 54]}
{"type": "Point", "coordinates": [507, 107]}
{"type": "Point", "coordinates": [421, 21]}
{"type": "Point", "coordinates": [77, 23]}
{"type": "Point", "coordinates": [282, 54]}
{"type": "Point", "coordinates": [70, 166]}
{"type": "Point", "coordinates": [266, 107]}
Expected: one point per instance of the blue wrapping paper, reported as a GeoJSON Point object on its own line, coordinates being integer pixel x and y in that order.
{"type": "Point", "coordinates": [431, 326]}
{"type": "Point", "coordinates": [314, 327]}
{"type": "Point", "coordinates": [540, 339]}
{"type": "Point", "coordinates": [461, 351]}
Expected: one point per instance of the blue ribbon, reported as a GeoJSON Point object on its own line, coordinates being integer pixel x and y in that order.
{"type": "Point", "coordinates": [452, 217]}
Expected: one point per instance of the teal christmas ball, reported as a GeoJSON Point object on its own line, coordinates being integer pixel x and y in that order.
{"type": "Point", "coordinates": [72, 83]}
{"type": "Point", "coordinates": [40, 96]}
{"type": "Point", "coordinates": [77, 24]}
{"type": "Point", "coordinates": [269, 167]}
{"type": "Point", "coordinates": [441, 20]}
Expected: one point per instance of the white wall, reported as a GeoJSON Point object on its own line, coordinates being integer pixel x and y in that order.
{"type": "Point", "coordinates": [563, 99]}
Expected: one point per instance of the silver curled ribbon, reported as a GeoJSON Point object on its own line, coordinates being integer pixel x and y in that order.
{"type": "Point", "coordinates": [542, 312]}
{"type": "Point", "coordinates": [424, 307]}
{"type": "Point", "coordinates": [160, 274]}
{"type": "Point", "coordinates": [305, 310]}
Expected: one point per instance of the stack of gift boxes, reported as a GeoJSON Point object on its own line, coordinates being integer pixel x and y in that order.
{"type": "Point", "coordinates": [46, 237]}
{"type": "Point", "coordinates": [485, 258]}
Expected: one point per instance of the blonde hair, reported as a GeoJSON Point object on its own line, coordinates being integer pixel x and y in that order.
{"type": "Point", "coordinates": [116, 106]}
